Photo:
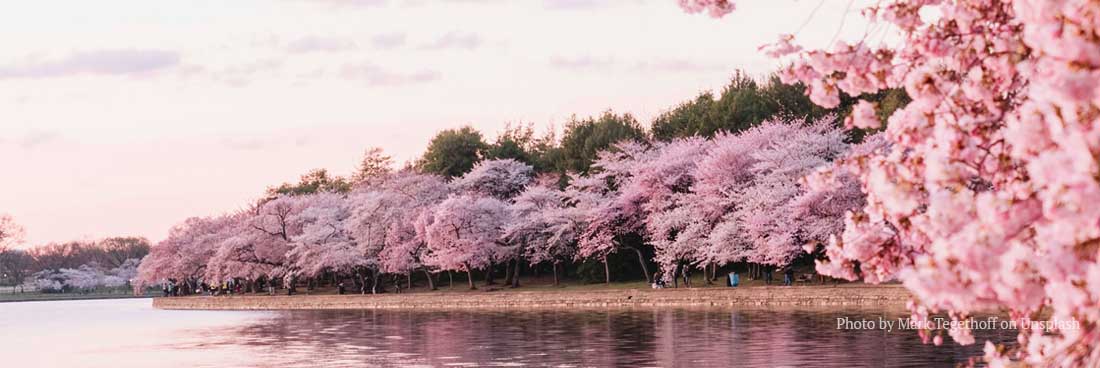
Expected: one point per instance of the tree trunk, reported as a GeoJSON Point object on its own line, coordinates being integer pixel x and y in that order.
{"type": "Point", "coordinates": [508, 269]}
{"type": "Point", "coordinates": [470, 277]}
{"type": "Point", "coordinates": [645, 268]}
{"type": "Point", "coordinates": [606, 271]}
{"type": "Point", "coordinates": [374, 281]}
{"type": "Point", "coordinates": [362, 281]}
{"type": "Point", "coordinates": [409, 283]}
{"type": "Point", "coordinates": [489, 274]}
{"type": "Point", "coordinates": [431, 283]}
{"type": "Point", "coordinates": [515, 274]}
{"type": "Point", "coordinates": [555, 266]}
{"type": "Point", "coordinates": [706, 275]}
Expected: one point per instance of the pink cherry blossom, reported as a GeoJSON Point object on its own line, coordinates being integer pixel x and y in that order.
{"type": "Point", "coordinates": [863, 117]}
{"type": "Point", "coordinates": [501, 179]}
{"type": "Point", "coordinates": [464, 233]}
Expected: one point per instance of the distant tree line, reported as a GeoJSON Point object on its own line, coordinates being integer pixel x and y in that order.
{"type": "Point", "coordinates": [80, 265]}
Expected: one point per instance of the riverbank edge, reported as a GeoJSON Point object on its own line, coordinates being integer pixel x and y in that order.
{"type": "Point", "coordinates": [808, 297]}
{"type": "Point", "coordinates": [62, 299]}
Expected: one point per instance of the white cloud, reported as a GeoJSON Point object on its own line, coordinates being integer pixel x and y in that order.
{"type": "Point", "coordinates": [388, 40]}
{"type": "Point", "coordinates": [581, 63]}
{"type": "Point", "coordinates": [96, 62]}
{"type": "Point", "coordinates": [319, 44]}
{"type": "Point", "coordinates": [457, 40]}
{"type": "Point", "coordinates": [378, 76]}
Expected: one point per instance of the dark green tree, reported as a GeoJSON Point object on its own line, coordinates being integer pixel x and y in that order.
{"type": "Point", "coordinates": [315, 181]}
{"type": "Point", "coordinates": [745, 103]}
{"type": "Point", "coordinates": [453, 152]}
{"type": "Point", "coordinates": [375, 164]}
{"type": "Point", "coordinates": [521, 144]}
{"type": "Point", "coordinates": [583, 139]}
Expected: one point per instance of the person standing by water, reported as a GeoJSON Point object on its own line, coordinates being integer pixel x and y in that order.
{"type": "Point", "coordinates": [733, 279]}
{"type": "Point", "coordinates": [788, 276]}
{"type": "Point", "coordinates": [768, 275]}
{"type": "Point", "coordinates": [658, 281]}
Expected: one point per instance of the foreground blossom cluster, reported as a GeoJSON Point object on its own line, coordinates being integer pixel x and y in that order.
{"type": "Point", "coordinates": [698, 202]}
{"type": "Point", "coordinates": [986, 193]}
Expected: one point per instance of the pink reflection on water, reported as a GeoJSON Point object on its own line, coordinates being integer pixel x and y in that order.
{"type": "Point", "coordinates": [129, 333]}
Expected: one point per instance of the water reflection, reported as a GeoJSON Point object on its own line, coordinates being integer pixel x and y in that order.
{"type": "Point", "coordinates": [132, 334]}
{"type": "Point", "coordinates": [635, 338]}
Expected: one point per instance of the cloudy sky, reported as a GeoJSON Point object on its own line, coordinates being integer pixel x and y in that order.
{"type": "Point", "coordinates": [125, 117]}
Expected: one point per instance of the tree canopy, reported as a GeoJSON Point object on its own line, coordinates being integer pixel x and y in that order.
{"type": "Point", "coordinates": [453, 152]}
{"type": "Point", "coordinates": [584, 138]}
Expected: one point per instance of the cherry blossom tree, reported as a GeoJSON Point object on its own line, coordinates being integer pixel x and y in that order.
{"type": "Point", "coordinates": [662, 189]}
{"type": "Point", "coordinates": [124, 274]}
{"type": "Point", "coordinates": [383, 221]}
{"type": "Point", "coordinates": [611, 217]}
{"type": "Point", "coordinates": [412, 194]}
{"type": "Point", "coordinates": [723, 178]}
{"type": "Point", "coordinates": [501, 179]}
{"type": "Point", "coordinates": [464, 233]}
{"type": "Point", "coordinates": [187, 251]}
{"type": "Point", "coordinates": [830, 193]}
{"type": "Point", "coordinates": [85, 278]}
{"type": "Point", "coordinates": [736, 197]}
{"type": "Point", "coordinates": [324, 244]}
{"type": "Point", "coordinates": [978, 200]}
{"type": "Point", "coordinates": [45, 280]}
{"type": "Point", "coordinates": [260, 242]}
{"type": "Point", "coordinates": [764, 211]}
{"type": "Point", "coordinates": [546, 223]}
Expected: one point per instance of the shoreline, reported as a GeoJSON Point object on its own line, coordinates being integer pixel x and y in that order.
{"type": "Point", "coordinates": [799, 297]}
{"type": "Point", "coordinates": [52, 298]}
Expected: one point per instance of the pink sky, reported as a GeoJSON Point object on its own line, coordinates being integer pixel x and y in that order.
{"type": "Point", "coordinates": [126, 117]}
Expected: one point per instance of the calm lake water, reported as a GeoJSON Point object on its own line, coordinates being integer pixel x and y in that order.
{"type": "Point", "coordinates": [130, 333]}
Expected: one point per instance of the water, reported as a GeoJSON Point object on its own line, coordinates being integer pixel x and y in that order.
{"type": "Point", "coordinates": [130, 333]}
